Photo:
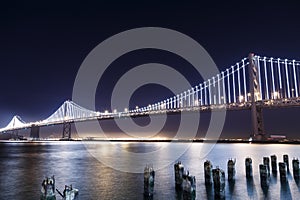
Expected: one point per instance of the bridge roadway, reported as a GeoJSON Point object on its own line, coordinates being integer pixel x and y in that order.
{"type": "Point", "coordinates": [269, 104]}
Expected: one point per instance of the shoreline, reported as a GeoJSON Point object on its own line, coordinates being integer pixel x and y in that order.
{"type": "Point", "coordinates": [154, 140]}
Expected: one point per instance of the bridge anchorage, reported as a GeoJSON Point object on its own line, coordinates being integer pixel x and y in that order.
{"type": "Point", "coordinates": [269, 83]}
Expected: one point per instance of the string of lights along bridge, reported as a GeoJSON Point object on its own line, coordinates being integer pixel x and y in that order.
{"type": "Point", "coordinates": [254, 83]}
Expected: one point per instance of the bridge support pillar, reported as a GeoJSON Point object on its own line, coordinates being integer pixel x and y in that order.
{"type": "Point", "coordinates": [66, 131]}
{"type": "Point", "coordinates": [15, 134]}
{"type": "Point", "coordinates": [35, 131]}
{"type": "Point", "coordinates": [256, 110]}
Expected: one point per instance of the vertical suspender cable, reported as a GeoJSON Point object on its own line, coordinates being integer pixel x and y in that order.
{"type": "Point", "coordinates": [224, 92]}
{"type": "Point", "coordinates": [266, 78]}
{"type": "Point", "coordinates": [273, 81]}
{"type": "Point", "coordinates": [228, 85]}
{"type": "Point", "coordinates": [239, 79]}
{"type": "Point", "coordinates": [233, 81]}
{"type": "Point", "coordinates": [244, 76]}
{"type": "Point", "coordinates": [295, 79]}
{"type": "Point", "coordinates": [259, 76]}
{"type": "Point", "coordinates": [219, 92]}
{"type": "Point", "coordinates": [287, 79]}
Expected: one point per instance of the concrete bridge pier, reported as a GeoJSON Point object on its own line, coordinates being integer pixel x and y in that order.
{"type": "Point", "coordinates": [34, 131]}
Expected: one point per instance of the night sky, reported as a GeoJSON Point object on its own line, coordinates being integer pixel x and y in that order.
{"type": "Point", "coordinates": [43, 44]}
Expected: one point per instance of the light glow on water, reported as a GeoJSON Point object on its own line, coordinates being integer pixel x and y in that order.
{"type": "Point", "coordinates": [26, 164]}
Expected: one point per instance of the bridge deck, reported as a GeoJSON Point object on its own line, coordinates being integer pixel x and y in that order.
{"type": "Point", "coordinates": [269, 104]}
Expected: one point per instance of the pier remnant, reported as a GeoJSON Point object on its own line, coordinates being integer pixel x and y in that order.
{"type": "Point", "coordinates": [179, 169]}
{"type": "Point", "coordinates": [286, 161]}
{"type": "Point", "coordinates": [231, 169]}
{"type": "Point", "coordinates": [208, 172]}
{"type": "Point", "coordinates": [274, 163]}
{"type": "Point", "coordinates": [296, 169]}
{"type": "Point", "coordinates": [264, 177]}
{"type": "Point", "coordinates": [248, 166]}
{"type": "Point", "coordinates": [266, 161]}
{"type": "Point", "coordinates": [149, 175]}
{"type": "Point", "coordinates": [282, 172]}
{"type": "Point", "coordinates": [189, 186]}
{"type": "Point", "coordinates": [48, 189]}
{"type": "Point", "coordinates": [219, 183]}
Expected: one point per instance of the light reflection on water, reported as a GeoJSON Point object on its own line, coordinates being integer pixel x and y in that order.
{"type": "Point", "coordinates": [24, 165]}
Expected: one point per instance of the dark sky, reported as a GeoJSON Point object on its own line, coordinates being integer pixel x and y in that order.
{"type": "Point", "coordinates": [43, 44]}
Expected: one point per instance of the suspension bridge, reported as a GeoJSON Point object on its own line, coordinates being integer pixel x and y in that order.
{"type": "Point", "coordinates": [254, 83]}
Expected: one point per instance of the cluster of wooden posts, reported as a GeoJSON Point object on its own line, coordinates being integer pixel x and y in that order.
{"type": "Point", "coordinates": [185, 183]}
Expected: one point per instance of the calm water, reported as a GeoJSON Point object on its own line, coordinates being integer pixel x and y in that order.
{"type": "Point", "coordinates": [23, 166]}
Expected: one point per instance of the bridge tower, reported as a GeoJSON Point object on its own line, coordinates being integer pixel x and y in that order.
{"type": "Point", "coordinates": [255, 98]}
{"type": "Point", "coordinates": [15, 133]}
{"type": "Point", "coordinates": [66, 135]}
{"type": "Point", "coordinates": [66, 131]}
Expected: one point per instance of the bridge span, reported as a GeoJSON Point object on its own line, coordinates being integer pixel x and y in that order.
{"type": "Point", "coordinates": [254, 83]}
